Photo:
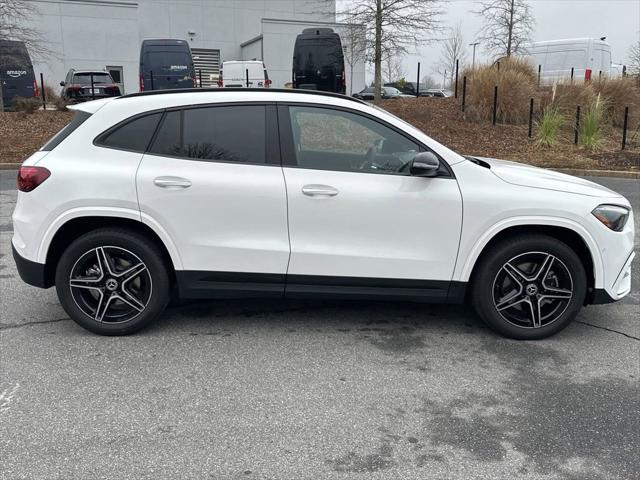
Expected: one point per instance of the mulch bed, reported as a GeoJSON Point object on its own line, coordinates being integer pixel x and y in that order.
{"type": "Point", "coordinates": [22, 134]}
{"type": "Point", "coordinates": [443, 120]}
{"type": "Point", "coordinates": [440, 118]}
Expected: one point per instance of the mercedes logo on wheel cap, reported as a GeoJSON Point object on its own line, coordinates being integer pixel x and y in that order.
{"type": "Point", "coordinates": [111, 284]}
{"type": "Point", "coordinates": [532, 289]}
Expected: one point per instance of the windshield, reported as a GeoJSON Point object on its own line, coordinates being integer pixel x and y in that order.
{"type": "Point", "coordinates": [85, 78]}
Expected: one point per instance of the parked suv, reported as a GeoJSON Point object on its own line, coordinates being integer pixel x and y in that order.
{"type": "Point", "coordinates": [280, 193]}
{"type": "Point", "coordinates": [83, 85]}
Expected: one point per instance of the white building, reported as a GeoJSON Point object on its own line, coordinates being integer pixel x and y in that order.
{"type": "Point", "coordinates": [86, 34]}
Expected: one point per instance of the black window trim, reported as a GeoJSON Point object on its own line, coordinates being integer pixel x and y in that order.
{"type": "Point", "coordinates": [272, 148]}
{"type": "Point", "coordinates": [80, 116]}
{"type": "Point", "coordinates": [287, 147]}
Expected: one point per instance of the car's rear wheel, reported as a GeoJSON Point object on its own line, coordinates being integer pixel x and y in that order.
{"type": "Point", "coordinates": [112, 281]}
{"type": "Point", "coordinates": [529, 287]}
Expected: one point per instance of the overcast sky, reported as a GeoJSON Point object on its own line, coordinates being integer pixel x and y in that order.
{"type": "Point", "coordinates": [618, 20]}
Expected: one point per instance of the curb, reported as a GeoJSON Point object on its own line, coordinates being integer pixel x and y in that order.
{"type": "Point", "coordinates": [569, 171]}
{"type": "Point", "coordinates": [10, 166]}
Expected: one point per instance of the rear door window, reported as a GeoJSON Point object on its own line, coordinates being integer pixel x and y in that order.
{"type": "Point", "coordinates": [134, 135]}
{"type": "Point", "coordinates": [78, 119]}
{"type": "Point", "coordinates": [167, 62]}
{"type": "Point", "coordinates": [229, 134]}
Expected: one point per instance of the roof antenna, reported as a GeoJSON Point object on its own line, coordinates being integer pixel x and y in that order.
{"type": "Point", "coordinates": [603, 38]}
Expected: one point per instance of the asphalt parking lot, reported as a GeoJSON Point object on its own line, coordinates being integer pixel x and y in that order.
{"type": "Point", "coordinates": [314, 390]}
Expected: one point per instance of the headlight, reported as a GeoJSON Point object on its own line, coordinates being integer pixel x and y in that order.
{"type": "Point", "coordinates": [612, 216]}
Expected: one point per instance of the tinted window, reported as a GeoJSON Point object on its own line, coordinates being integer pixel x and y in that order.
{"type": "Point", "coordinates": [85, 78]}
{"type": "Point", "coordinates": [134, 135]}
{"type": "Point", "coordinates": [78, 119]}
{"type": "Point", "coordinates": [319, 53]}
{"type": "Point", "coordinates": [326, 139]}
{"type": "Point", "coordinates": [167, 62]}
{"type": "Point", "coordinates": [231, 134]}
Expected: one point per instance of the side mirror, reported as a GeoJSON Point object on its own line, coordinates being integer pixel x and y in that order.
{"type": "Point", "coordinates": [62, 83]}
{"type": "Point", "coordinates": [424, 164]}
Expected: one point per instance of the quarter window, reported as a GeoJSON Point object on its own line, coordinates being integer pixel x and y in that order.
{"type": "Point", "coordinates": [230, 134]}
{"type": "Point", "coordinates": [326, 139]}
{"type": "Point", "coordinates": [134, 135]}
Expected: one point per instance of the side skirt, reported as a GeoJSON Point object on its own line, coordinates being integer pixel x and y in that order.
{"type": "Point", "coordinates": [203, 284]}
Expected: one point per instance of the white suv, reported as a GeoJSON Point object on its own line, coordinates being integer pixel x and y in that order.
{"type": "Point", "coordinates": [270, 193]}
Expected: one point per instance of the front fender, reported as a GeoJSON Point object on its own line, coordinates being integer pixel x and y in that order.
{"type": "Point", "coordinates": [469, 258]}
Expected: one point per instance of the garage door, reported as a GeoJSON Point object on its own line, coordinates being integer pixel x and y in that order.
{"type": "Point", "coordinates": [207, 63]}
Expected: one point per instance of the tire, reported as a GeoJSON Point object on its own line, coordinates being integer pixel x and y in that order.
{"type": "Point", "coordinates": [121, 298]}
{"type": "Point", "coordinates": [548, 284]}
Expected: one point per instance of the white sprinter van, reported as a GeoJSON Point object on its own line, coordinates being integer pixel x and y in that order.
{"type": "Point", "coordinates": [244, 74]}
{"type": "Point", "coordinates": [589, 58]}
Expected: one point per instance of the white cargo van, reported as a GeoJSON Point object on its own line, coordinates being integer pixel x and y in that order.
{"type": "Point", "coordinates": [244, 74]}
{"type": "Point", "coordinates": [589, 58]}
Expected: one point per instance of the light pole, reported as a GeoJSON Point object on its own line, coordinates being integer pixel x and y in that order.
{"type": "Point", "coordinates": [473, 63]}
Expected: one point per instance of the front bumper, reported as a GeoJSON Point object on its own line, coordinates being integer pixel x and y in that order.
{"type": "Point", "coordinates": [30, 272]}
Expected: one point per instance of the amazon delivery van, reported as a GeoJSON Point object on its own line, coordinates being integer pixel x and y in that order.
{"type": "Point", "coordinates": [16, 72]}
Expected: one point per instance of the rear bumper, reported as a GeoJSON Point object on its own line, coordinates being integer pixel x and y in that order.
{"type": "Point", "coordinates": [30, 272]}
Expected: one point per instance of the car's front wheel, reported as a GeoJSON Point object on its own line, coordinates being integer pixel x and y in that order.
{"type": "Point", "coordinates": [112, 281]}
{"type": "Point", "coordinates": [529, 287]}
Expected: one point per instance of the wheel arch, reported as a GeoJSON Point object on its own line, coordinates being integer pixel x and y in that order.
{"type": "Point", "coordinates": [79, 225]}
{"type": "Point", "coordinates": [574, 236]}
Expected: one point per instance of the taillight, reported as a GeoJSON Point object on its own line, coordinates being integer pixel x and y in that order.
{"type": "Point", "coordinates": [587, 75]}
{"type": "Point", "coordinates": [141, 83]}
{"type": "Point", "coordinates": [220, 82]}
{"type": "Point", "coordinates": [36, 93]}
{"type": "Point", "coordinates": [29, 178]}
{"type": "Point", "coordinates": [195, 82]}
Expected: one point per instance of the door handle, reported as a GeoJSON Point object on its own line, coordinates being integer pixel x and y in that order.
{"type": "Point", "coordinates": [171, 182]}
{"type": "Point", "coordinates": [319, 191]}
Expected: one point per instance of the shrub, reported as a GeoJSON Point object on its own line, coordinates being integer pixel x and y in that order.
{"type": "Point", "coordinates": [516, 85]}
{"type": "Point", "coordinates": [50, 93]}
{"type": "Point", "coordinates": [60, 104]}
{"type": "Point", "coordinates": [566, 97]}
{"type": "Point", "coordinates": [521, 65]}
{"type": "Point", "coordinates": [26, 105]}
{"type": "Point", "coordinates": [591, 125]}
{"type": "Point", "coordinates": [549, 125]}
{"type": "Point", "coordinates": [619, 93]}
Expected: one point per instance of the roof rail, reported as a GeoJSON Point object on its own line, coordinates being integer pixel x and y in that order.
{"type": "Point", "coordinates": [240, 89]}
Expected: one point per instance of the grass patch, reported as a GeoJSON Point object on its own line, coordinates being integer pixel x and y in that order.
{"type": "Point", "coordinates": [591, 126]}
{"type": "Point", "coordinates": [548, 126]}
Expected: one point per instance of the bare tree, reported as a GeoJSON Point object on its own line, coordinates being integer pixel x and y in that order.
{"type": "Point", "coordinates": [392, 68]}
{"type": "Point", "coordinates": [508, 25]}
{"type": "Point", "coordinates": [634, 59]}
{"type": "Point", "coordinates": [429, 82]}
{"type": "Point", "coordinates": [354, 45]}
{"type": "Point", "coordinates": [15, 16]}
{"type": "Point", "coordinates": [393, 26]}
{"type": "Point", "coordinates": [453, 48]}
{"type": "Point", "coordinates": [14, 26]}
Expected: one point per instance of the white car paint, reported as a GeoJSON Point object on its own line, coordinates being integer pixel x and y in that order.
{"type": "Point", "coordinates": [234, 217]}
